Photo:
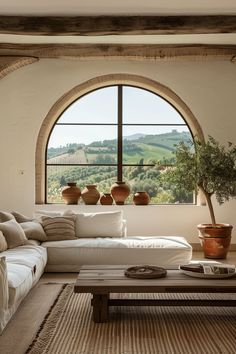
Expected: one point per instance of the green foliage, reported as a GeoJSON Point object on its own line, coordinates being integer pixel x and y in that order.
{"type": "Point", "coordinates": [209, 166]}
{"type": "Point", "coordinates": [71, 151]}
{"type": "Point", "coordinates": [104, 158]}
{"type": "Point", "coordinates": [142, 150]}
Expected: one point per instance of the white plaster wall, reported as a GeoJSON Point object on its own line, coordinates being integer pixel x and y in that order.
{"type": "Point", "coordinates": [26, 96]}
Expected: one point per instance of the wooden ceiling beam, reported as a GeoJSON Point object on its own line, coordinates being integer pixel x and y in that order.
{"type": "Point", "coordinates": [121, 51]}
{"type": "Point", "coordinates": [117, 25]}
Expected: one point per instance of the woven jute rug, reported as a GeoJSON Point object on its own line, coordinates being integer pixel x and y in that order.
{"type": "Point", "coordinates": [68, 328]}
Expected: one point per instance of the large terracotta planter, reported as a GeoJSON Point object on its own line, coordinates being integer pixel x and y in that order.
{"type": "Point", "coordinates": [141, 198]}
{"type": "Point", "coordinates": [120, 192]}
{"type": "Point", "coordinates": [215, 240]}
{"type": "Point", "coordinates": [71, 193]}
{"type": "Point", "coordinates": [90, 194]}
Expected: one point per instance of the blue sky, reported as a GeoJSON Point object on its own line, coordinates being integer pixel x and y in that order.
{"type": "Point", "coordinates": [100, 106]}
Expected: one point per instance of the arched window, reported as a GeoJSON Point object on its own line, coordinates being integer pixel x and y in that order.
{"type": "Point", "coordinates": [118, 132]}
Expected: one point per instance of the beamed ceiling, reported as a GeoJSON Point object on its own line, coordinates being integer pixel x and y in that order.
{"type": "Point", "coordinates": [158, 30]}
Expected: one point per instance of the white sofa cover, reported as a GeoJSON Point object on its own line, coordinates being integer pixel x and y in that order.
{"type": "Point", "coordinates": [20, 269]}
{"type": "Point", "coordinates": [163, 251]}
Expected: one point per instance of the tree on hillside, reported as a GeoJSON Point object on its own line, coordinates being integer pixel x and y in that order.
{"type": "Point", "coordinates": [63, 181]}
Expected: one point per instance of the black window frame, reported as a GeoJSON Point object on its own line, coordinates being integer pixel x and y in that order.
{"type": "Point", "coordinates": [119, 165]}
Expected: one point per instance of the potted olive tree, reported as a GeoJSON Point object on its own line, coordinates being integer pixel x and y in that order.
{"type": "Point", "coordinates": [210, 168]}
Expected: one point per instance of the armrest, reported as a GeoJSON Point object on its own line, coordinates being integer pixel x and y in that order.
{"type": "Point", "coordinates": [3, 292]}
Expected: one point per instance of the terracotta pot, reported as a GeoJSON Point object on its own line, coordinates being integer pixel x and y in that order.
{"type": "Point", "coordinates": [71, 193]}
{"type": "Point", "coordinates": [120, 192]}
{"type": "Point", "coordinates": [141, 198]}
{"type": "Point", "coordinates": [106, 199]}
{"type": "Point", "coordinates": [215, 240]}
{"type": "Point", "coordinates": [90, 194]}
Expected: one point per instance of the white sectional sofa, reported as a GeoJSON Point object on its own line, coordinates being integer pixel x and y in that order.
{"type": "Point", "coordinates": [20, 270]}
{"type": "Point", "coordinates": [62, 243]}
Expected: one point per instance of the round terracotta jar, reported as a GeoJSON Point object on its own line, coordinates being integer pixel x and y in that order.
{"type": "Point", "coordinates": [90, 194]}
{"type": "Point", "coordinates": [71, 193]}
{"type": "Point", "coordinates": [120, 192]}
{"type": "Point", "coordinates": [141, 198]}
{"type": "Point", "coordinates": [106, 199]}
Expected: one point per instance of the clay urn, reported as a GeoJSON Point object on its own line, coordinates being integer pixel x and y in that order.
{"type": "Point", "coordinates": [90, 194]}
{"type": "Point", "coordinates": [141, 198]}
{"type": "Point", "coordinates": [71, 193]}
{"type": "Point", "coordinates": [106, 199]}
{"type": "Point", "coordinates": [120, 192]}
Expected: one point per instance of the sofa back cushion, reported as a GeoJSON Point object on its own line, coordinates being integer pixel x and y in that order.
{"type": "Point", "coordinates": [105, 224]}
{"type": "Point", "coordinates": [59, 227]}
{"type": "Point", "coordinates": [34, 230]}
{"type": "Point", "coordinates": [39, 213]}
{"type": "Point", "coordinates": [4, 216]}
{"type": "Point", "coordinates": [21, 217]}
{"type": "Point", "coordinates": [3, 242]}
{"type": "Point", "coordinates": [13, 233]}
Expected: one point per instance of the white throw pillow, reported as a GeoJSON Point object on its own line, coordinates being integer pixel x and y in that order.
{"type": "Point", "coordinates": [39, 213]}
{"type": "Point", "coordinates": [105, 224]}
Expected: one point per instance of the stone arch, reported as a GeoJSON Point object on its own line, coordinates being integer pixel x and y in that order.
{"type": "Point", "coordinates": [90, 85]}
{"type": "Point", "coordinates": [9, 64]}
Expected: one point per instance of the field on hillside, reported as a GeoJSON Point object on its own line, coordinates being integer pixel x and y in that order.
{"type": "Point", "coordinates": [145, 150]}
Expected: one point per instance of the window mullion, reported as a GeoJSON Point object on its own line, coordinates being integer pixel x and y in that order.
{"type": "Point", "coordinates": [119, 133]}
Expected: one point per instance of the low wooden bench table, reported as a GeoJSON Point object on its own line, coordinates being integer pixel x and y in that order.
{"type": "Point", "coordinates": [100, 281]}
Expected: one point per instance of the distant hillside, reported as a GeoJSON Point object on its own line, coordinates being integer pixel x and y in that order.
{"type": "Point", "coordinates": [134, 136]}
{"type": "Point", "coordinates": [135, 146]}
{"type": "Point", "coordinates": [167, 140]}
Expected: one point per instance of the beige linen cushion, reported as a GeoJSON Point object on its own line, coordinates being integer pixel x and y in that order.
{"type": "Point", "coordinates": [39, 213]}
{"type": "Point", "coordinates": [4, 216]}
{"type": "Point", "coordinates": [106, 224]}
{"type": "Point", "coordinates": [20, 217]}
{"type": "Point", "coordinates": [59, 227]}
{"type": "Point", "coordinates": [13, 233]}
{"type": "Point", "coordinates": [3, 242]}
{"type": "Point", "coordinates": [33, 230]}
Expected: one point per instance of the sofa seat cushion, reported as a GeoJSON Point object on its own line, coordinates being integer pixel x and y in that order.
{"type": "Point", "coordinates": [20, 280]}
{"type": "Point", "coordinates": [164, 251]}
{"type": "Point", "coordinates": [25, 265]}
{"type": "Point", "coordinates": [30, 256]}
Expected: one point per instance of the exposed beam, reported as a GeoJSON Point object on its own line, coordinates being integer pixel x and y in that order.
{"type": "Point", "coordinates": [117, 25]}
{"type": "Point", "coordinates": [124, 51]}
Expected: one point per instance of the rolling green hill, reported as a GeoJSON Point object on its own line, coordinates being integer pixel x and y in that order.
{"type": "Point", "coordinates": [154, 147]}
{"type": "Point", "coordinates": [137, 150]}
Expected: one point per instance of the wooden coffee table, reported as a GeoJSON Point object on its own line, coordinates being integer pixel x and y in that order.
{"type": "Point", "coordinates": [100, 281]}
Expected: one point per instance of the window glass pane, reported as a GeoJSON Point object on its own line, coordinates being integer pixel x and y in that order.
{"type": "Point", "coordinates": [82, 144]}
{"type": "Point", "coordinates": [145, 144]}
{"type": "Point", "coordinates": [142, 106]}
{"type": "Point", "coordinates": [99, 106]}
{"type": "Point", "coordinates": [58, 176]}
{"type": "Point", "coordinates": [148, 179]}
